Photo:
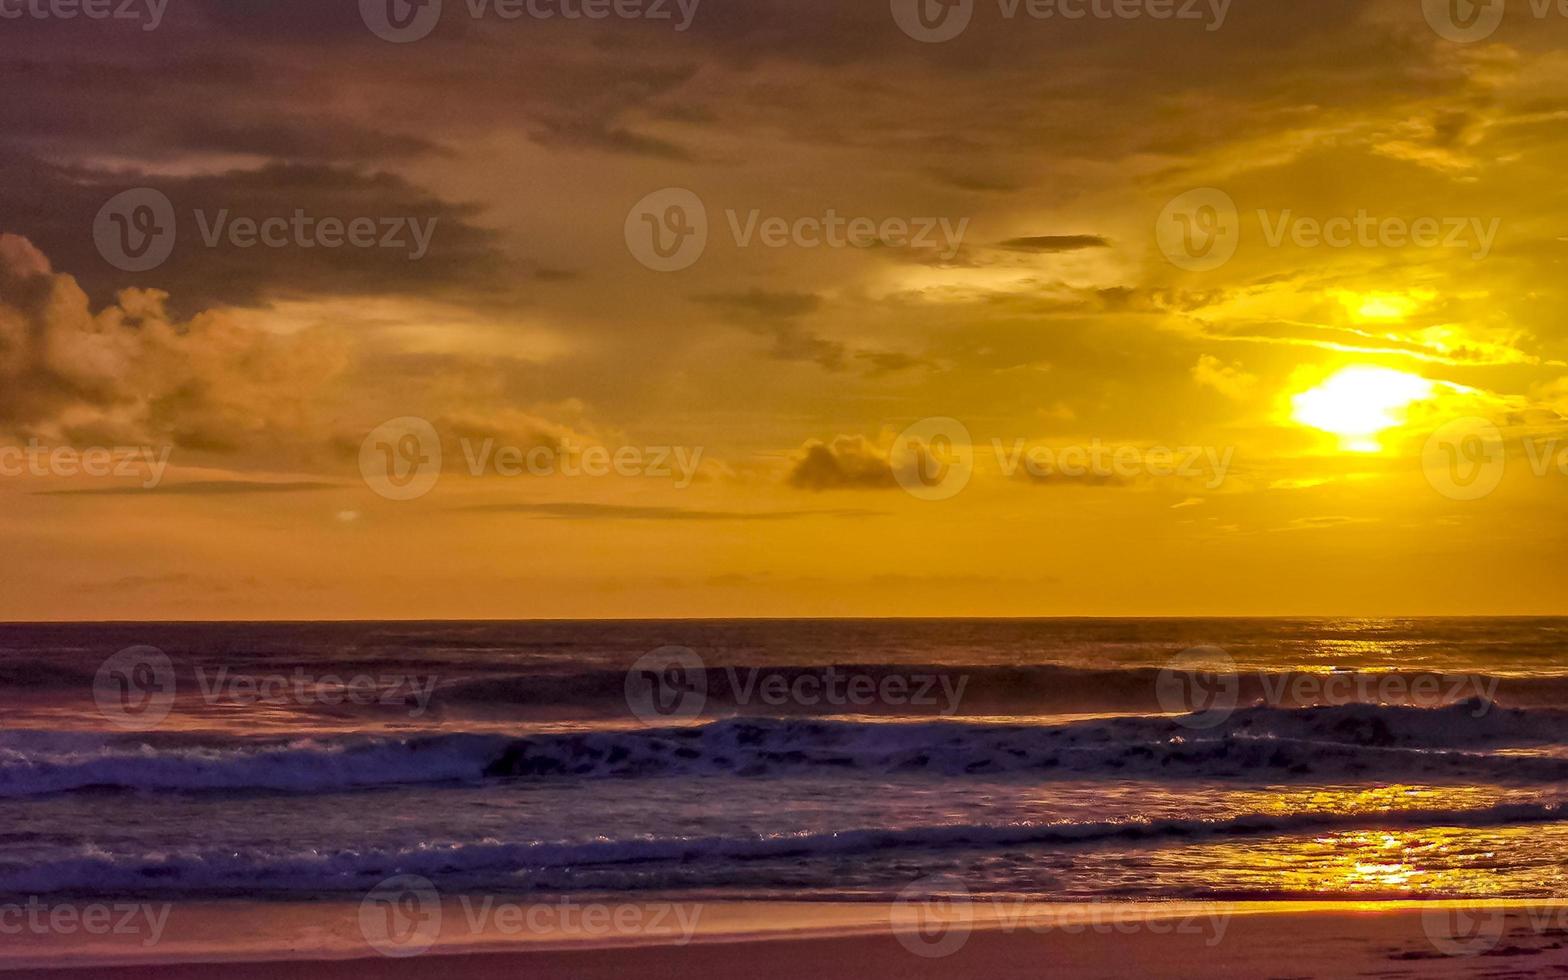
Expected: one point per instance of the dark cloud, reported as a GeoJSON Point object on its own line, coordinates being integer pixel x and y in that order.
{"type": "Point", "coordinates": [196, 488]}
{"type": "Point", "coordinates": [54, 206]}
{"type": "Point", "coordinates": [847, 463]}
{"type": "Point", "coordinates": [619, 512]}
{"type": "Point", "coordinates": [888, 362]}
{"type": "Point", "coordinates": [1054, 243]}
{"type": "Point", "coordinates": [764, 303]}
{"type": "Point", "coordinates": [966, 181]}
{"type": "Point", "coordinates": [1059, 479]}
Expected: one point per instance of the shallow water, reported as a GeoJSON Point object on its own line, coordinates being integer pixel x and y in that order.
{"type": "Point", "coordinates": [508, 758]}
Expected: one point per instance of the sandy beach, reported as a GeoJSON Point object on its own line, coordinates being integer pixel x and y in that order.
{"type": "Point", "coordinates": [826, 941]}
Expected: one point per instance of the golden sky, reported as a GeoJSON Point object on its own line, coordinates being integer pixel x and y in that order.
{"type": "Point", "coordinates": [1258, 311]}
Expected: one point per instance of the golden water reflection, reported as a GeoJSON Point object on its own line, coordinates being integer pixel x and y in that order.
{"type": "Point", "coordinates": [1380, 852]}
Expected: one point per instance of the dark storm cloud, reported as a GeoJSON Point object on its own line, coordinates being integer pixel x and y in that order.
{"type": "Point", "coordinates": [54, 207]}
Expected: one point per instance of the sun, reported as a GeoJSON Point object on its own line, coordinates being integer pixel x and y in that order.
{"type": "Point", "coordinates": [1357, 403]}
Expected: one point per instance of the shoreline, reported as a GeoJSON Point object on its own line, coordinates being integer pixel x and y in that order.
{"type": "Point", "coordinates": [840, 940]}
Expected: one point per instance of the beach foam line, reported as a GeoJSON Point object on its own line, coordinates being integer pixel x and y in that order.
{"type": "Point", "coordinates": [493, 863]}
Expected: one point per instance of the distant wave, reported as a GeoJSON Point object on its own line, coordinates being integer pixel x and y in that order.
{"type": "Point", "coordinates": [35, 763]}
{"type": "Point", "coordinates": [501, 690]}
{"type": "Point", "coordinates": [494, 863]}
{"type": "Point", "coordinates": [986, 690]}
{"type": "Point", "coordinates": [1253, 744]}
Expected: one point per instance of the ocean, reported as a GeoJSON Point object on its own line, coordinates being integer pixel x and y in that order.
{"type": "Point", "coordinates": [1059, 760]}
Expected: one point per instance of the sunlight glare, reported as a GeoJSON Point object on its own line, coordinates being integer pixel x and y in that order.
{"type": "Point", "coordinates": [1359, 402]}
